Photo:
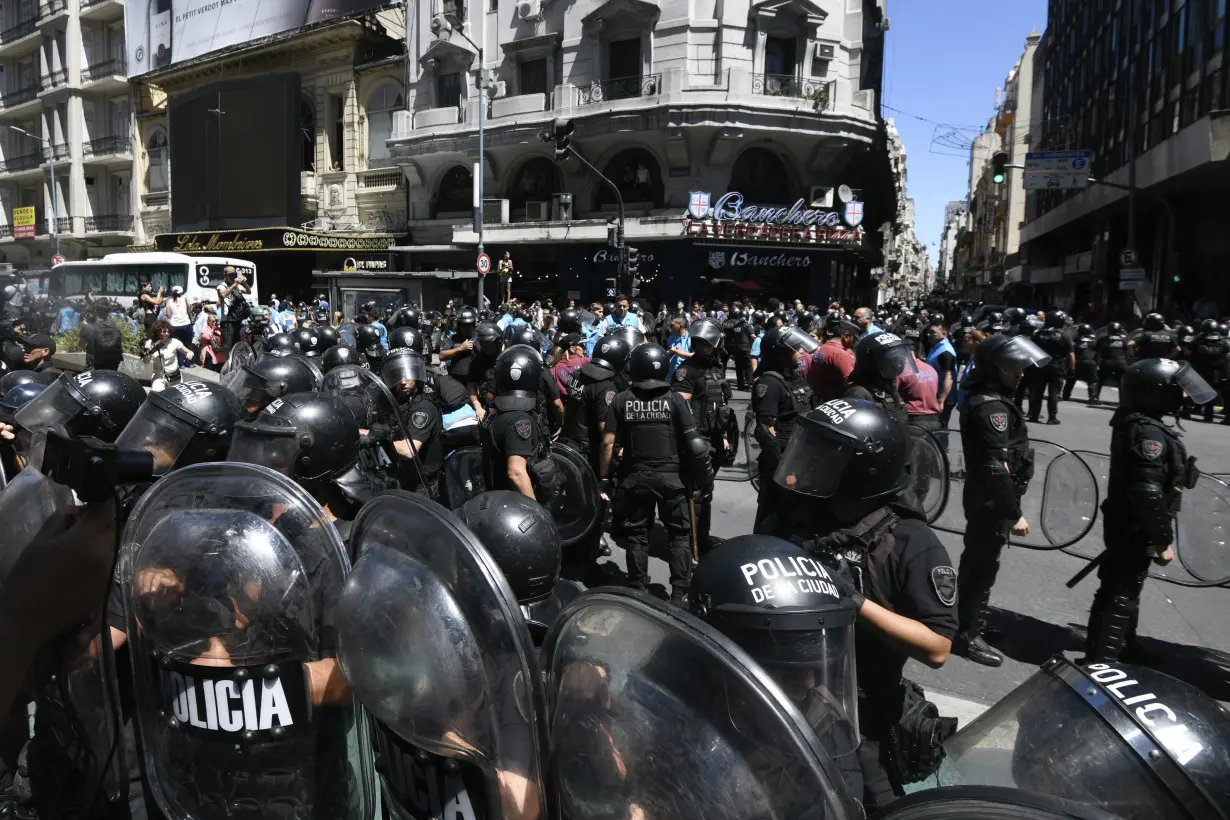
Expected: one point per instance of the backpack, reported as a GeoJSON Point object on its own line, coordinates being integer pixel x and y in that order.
{"type": "Point", "coordinates": [239, 310]}
{"type": "Point", "coordinates": [108, 344]}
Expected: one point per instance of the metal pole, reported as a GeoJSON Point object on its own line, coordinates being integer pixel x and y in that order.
{"type": "Point", "coordinates": [478, 212]}
{"type": "Point", "coordinates": [624, 285]}
{"type": "Point", "coordinates": [55, 202]}
{"type": "Point", "coordinates": [1131, 140]}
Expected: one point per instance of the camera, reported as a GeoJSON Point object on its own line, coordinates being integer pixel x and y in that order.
{"type": "Point", "coordinates": [92, 468]}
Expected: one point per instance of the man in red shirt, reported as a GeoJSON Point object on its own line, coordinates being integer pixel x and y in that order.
{"type": "Point", "coordinates": [572, 347]}
{"type": "Point", "coordinates": [920, 392]}
{"type": "Point", "coordinates": [833, 363]}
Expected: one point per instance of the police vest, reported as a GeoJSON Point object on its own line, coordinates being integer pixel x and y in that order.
{"type": "Point", "coordinates": [1086, 349]}
{"type": "Point", "coordinates": [1020, 455]}
{"type": "Point", "coordinates": [1209, 354]}
{"type": "Point", "coordinates": [933, 358]}
{"type": "Point", "coordinates": [801, 396]}
{"type": "Point", "coordinates": [1052, 341]}
{"type": "Point", "coordinates": [647, 428]}
{"type": "Point", "coordinates": [1116, 348]}
{"type": "Point", "coordinates": [1154, 344]}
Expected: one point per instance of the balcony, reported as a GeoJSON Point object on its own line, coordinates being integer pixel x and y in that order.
{"type": "Point", "coordinates": [55, 79]}
{"type": "Point", "coordinates": [101, 9]}
{"type": "Point", "coordinates": [10, 100]}
{"type": "Point", "coordinates": [51, 10]}
{"type": "Point", "coordinates": [819, 92]}
{"type": "Point", "coordinates": [109, 223]}
{"type": "Point", "coordinates": [24, 162]}
{"type": "Point", "coordinates": [64, 224]}
{"type": "Point", "coordinates": [56, 152]}
{"type": "Point", "coordinates": [6, 231]}
{"type": "Point", "coordinates": [19, 39]}
{"type": "Point", "coordinates": [107, 149]}
{"type": "Point", "coordinates": [623, 88]}
{"type": "Point", "coordinates": [105, 75]}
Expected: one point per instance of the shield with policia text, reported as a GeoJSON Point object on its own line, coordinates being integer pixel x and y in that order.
{"type": "Point", "coordinates": [929, 481]}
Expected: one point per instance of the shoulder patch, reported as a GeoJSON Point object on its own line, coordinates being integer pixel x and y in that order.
{"type": "Point", "coordinates": [523, 428]}
{"type": "Point", "coordinates": [681, 374]}
{"type": "Point", "coordinates": [1151, 449]}
{"type": "Point", "coordinates": [419, 419]}
{"type": "Point", "coordinates": [609, 397]}
{"type": "Point", "coordinates": [944, 579]}
{"type": "Point", "coordinates": [999, 421]}
{"type": "Point", "coordinates": [761, 389]}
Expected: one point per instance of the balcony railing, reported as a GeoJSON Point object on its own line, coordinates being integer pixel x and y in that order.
{"type": "Point", "coordinates": [107, 145]}
{"type": "Point", "coordinates": [55, 78]}
{"type": "Point", "coordinates": [64, 224]}
{"type": "Point", "coordinates": [6, 231]}
{"type": "Point", "coordinates": [109, 222]}
{"type": "Point", "coordinates": [819, 92]}
{"type": "Point", "coordinates": [85, 4]}
{"type": "Point", "coordinates": [623, 88]}
{"type": "Point", "coordinates": [106, 68]}
{"type": "Point", "coordinates": [19, 96]}
{"type": "Point", "coordinates": [22, 29]}
{"type": "Point", "coordinates": [55, 151]}
{"type": "Point", "coordinates": [21, 163]}
{"type": "Point", "coordinates": [52, 7]}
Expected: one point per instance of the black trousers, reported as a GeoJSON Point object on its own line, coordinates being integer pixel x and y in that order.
{"type": "Point", "coordinates": [743, 368]}
{"type": "Point", "coordinates": [766, 465]}
{"type": "Point", "coordinates": [1116, 605]}
{"type": "Point", "coordinates": [985, 539]}
{"type": "Point", "coordinates": [1111, 369]}
{"type": "Point", "coordinates": [1025, 386]}
{"type": "Point", "coordinates": [1086, 372]}
{"type": "Point", "coordinates": [1050, 380]}
{"type": "Point", "coordinates": [640, 494]}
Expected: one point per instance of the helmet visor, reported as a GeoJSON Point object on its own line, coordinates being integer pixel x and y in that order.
{"type": "Point", "coordinates": [267, 444]}
{"type": "Point", "coordinates": [252, 390]}
{"type": "Point", "coordinates": [893, 362]}
{"type": "Point", "coordinates": [54, 406]}
{"type": "Point", "coordinates": [1018, 354]}
{"type": "Point", "coordinates": [158, 432]}
{"type": "Point", "coordinates": [825, 689]}
{"type": "Point", "coordinates": [797, 339]}
{"type": "Point", "coordinates": [1194, 385]}
{"type": "Point", "coordinates": [814, 463]}
{"type": "Point", "coordinates": [705, 330]}
{"type": "Point", "coordinates": [403, 366]}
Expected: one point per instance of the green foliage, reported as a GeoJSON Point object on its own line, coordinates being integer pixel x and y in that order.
{"type": "Point", "coordinates": [70, 340]}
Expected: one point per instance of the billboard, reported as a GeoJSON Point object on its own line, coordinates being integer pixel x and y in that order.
{"type": "Point", "coordinates": [164, 32]}
{"type": "Point", "coordinates": [23, 222]}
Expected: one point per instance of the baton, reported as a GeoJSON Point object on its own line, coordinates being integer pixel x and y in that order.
{"type": "Point", "coordinates": [1088, 568]}
{"type": "Point", "coordinates": [692, 515]}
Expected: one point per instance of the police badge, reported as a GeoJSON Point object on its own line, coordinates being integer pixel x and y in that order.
{"type": "Point", "coordinates": [523, 428]}
{"type": "Point", "coordinates": [999, 421]}
{"type": "Point", "coordinates": [419, 419]}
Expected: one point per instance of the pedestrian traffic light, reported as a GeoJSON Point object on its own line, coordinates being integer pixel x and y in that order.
{"type": "Point", "coordinates": [612, 234]}
{"type": "Point", "coordinates": [999, 161]}
{"type": "Point", "coordinates": [634, 259]}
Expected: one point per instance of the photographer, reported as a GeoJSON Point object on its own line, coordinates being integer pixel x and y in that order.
{"type": "Point", "coordinates": [14, 297]}
{"type": "Point", "coordinates": [149, 303]}
{"type": "Point", "coordinates": [235, 307]}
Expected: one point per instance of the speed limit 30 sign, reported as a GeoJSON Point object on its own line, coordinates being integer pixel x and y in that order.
{"type": "Point", "coordinates": [484, 264]}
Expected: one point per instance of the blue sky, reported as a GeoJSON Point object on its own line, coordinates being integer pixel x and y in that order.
{"type": "Point", "coordinates": [943, 61]}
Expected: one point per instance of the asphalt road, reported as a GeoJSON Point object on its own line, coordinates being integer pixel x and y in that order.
{"type": "Point", "coordinates": [1037, 616]}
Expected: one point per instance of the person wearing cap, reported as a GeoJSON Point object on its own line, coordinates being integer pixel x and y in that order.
{"type": "Point", "coordinates": [39, 349]}
{"type": "Point", "coordinates": [572, 347]}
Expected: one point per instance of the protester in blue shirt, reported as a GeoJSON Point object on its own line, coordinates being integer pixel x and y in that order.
{"type": "Point", "coordinates": [679, 345]}
{"type": "Point", "coordinates": [755, 354]}
{"type": "Point", "coordinates": [862, 318]}
{"type": "Point", "coordinates": [68, 319]}
{"type": "Point", "coordinates": [622, 317]}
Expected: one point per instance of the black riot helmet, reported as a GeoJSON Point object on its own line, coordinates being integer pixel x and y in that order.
{"type": "Point", "coordinates": [995, 322]}
{"type": "Point", "coordinates": [631, 336]}
{"type": "Point", "coordinates": [403, 369]}
{"type": "Point", "coordinates": [310, 437]}
{"type": "Point", "coordinates": [281, 344]}
{"type": "Point", "coordinates": [407, 336]}
{"type": "Point", "coordinates": [187, 423]}
{"type": "Point", "coordinates": [367, 340]}
{"type": "Point", "coordinates": [648, 366]}
{"type": "Point", "coordinates": [707, 331]}
{"type": "Point", "coordinates": [908, 319]}
{"type": "Point", "coordinates": [779, 345]}
{"type": "Point", "coordinates": [339, 355]}
{"type": "Point", "coordinates": [17, 397]}
{"type": "Point", "coordinates": [1156, 387]}
{"type": "Point", "coordinates": [608, 308]}
{"type": "Point", "coordinates": [851, 448]}
{"type": "Point", "coordinates": [308, 341]}
{"type": "Point", "coordinates": [610, 353]}
{"type": "Point", "coordinates": [265, 380]}
{"type": "Point", "coordinates": [1114, 328]}
{"type": "Point", "coordinates": [96, 403]}
{"type": "Point", "coordinates": [569, 321]}
{"type": "Point", "coordinates": [879, 359]}
{"type": "Point", "coordinates": [1154, 321]}
{"type": "Point", "coordinates": [521, 536]}
{"type": "Point", "coordinates": [488, 340]}
{"type": "Point", "coordinates": [405, 317]}
{"type": "Point", "coordinates": [1012, 316]}
{"type": "Point", "coordinates": [1057, 318]}
{"type": "Point", "coordinates": [1085, 330]}
{"type": "Point", "coordinates": [1000, 360]}
{"type": "Point", "coordinates": [518, 372]}
{"type": "Point", "coordinates": [1207, 326]}
{"type": "Point", "coordinates": [467, 318]}
{"type": "Point", "coordinates": [327, 336]}
{"type": "Point", "coordinates": [522, 335]}
{"type": "Point", "coordinates": [10, 380]}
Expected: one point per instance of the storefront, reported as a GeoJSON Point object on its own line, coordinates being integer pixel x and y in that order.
{"type": "Point", "coordinates": [348, 290]}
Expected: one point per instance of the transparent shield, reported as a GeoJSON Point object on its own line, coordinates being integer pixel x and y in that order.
{"type": "Point", "coordinates": [366, 396]}
{"type": "Point", "coordinates": [54, 406]}
{"type": "Point", "coordinates": [635, 683]}
{"type": "Point", "coordinates": [929, 470]}
{"type": "Point", "coordinates": [1202, 537]}
{"type": "Point", "coordinates": [463, 476]}
{"type": "Point", "coordinates": [450, 668]}
{"type": "Point", "coordinates": [241, 354]}
{"type": "Point", "coordinates": [159, 433]}
{"type": "Point", "coordinates": [1194, 385]}
{"type": "Point", "coordinates": [230, 575]}
{"type": "Point", "coordinates": [27, 503]}
{"type": "Point", "coordinates": [577, 505]}
{"type": "Point", "coordinates": [139, 369]}
{"type": "Point", "coordinates": [988, 803]}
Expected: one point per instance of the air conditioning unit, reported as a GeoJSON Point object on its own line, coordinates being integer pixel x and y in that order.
{"type": "Point", "coordinates": [820, 196]}
{"type": "Point", "coordinates": [537, 211]}
{"type": "Point", "coordinates": [529, 10]}
{"type": "Point", "coordinates": [825, 51]}
{"type": "Point", "coordinates": [497, 89]}
{"type": "Point", "coordinates": [495, 211]}
{"type": "Point", "coordinates": [561, 207]}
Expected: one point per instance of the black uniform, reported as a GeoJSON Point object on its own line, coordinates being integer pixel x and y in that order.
{"type": "Point", "coordinates": [890, 401]}
{"type": "Point", "coordinates": [1050, 377]}
{"type": "Point", "coordinates": [1026, 329]}
{"type": "Point", "coordinates": [993, 434]}
{"type": "Point", "coordinates": [1112, 350]}
{"type": "Point", "coordinates": [651, 427]}
{"type": "Point", "coordinates": [1155, 344]}
{"type": "Point", "coordinates": [422, 422]}
{"type": "Point", "coordinates": [739, 334]}
{"type": "Point", "coordinates": [1208, 358]}
{"type": "Point", "coordinates": [1087, 364]}
{"type": "Point", "coordinates": [1148, 469]}
{"type": "Point", "coordinates": [713, 417]}
{"type": "Point", "coordinates": [591, 389]}
{"type": "Point", "coordinates": [509, 432]}
{"type": "Point", "coordinates": [777, 401]}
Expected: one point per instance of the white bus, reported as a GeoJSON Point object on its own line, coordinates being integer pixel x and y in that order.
{"type": "Point", "coordinates": [118, 276]}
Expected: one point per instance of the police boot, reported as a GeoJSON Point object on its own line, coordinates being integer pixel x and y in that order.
{"type": "Point", "coordinates": [969, 643]}
{"type": "Point", "coordinates": [1109, 629]}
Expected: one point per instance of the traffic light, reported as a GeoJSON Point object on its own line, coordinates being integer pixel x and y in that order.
{"type": "Point", "coordinates": [561, 135]}
{"type": "Point", "coordinates": [998, 171]}
{"type": "Point", "coordinates": [634, 260]}
{"type": "Point", "coordinates": [613, 236]}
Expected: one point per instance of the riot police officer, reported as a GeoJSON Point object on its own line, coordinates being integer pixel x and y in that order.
{"type": "Point", "coordinates": [1113, 350]}
{"type": "Point", "coordinates": [404, 372]}
{"type": "Point", "coordinates": [404, 317]}
{"type": "Point", "coordinates": [664, 459]}
{"type": "Point", "coordinates": [188, 423]}
{"type": "Point", "coordinates": [410, 338]}
{"type": "Point", "coordinates": [1087, 364]}
{"type": "Point", "coordinates": [706, 390]}
{"type": "Point", "coordinates": [549, 403]}
{"type": "Point", "coordinates": [1056, 344]}
{"type": "Point", "coordinates": [880, 359]}
{"type": "Point", "coordinates": [999, 465]}
{"type": "Point", "coordinates": [479, 380]}
{"type": "Point", "coordinates": [846, 466]}
{"type": "Point", "coordinates": [1210, 356]}
{"type": "Point", "coordinates": [339, 355]}
{"type": "Point", "coordinates": [591, 389]}
{"type": "Point", "coordinates": [779, 397]}
{"type": "Point", "coordinates": [95, 403]}
{"type": "Point", "coordinates": [281, 344]}
{"type": "Point", "coordinates": [1153, 340]}
{"type": "Point", "coordinates": [739, 334]}
{"type": "Point", "coordinates": [368, 341]}
{"type": "Point", "coordinates": [512, 445]}
{"type": "Point", "coordinates": [1149, 469]}
{"type": "Point", "coordinates": [266, 379]}
{"type": "Point", "coordinates": [308, 341]}
{"type": "Point", "coordinates": [908, 329]}
{"type": "Point", "coordinates": [457, 348]}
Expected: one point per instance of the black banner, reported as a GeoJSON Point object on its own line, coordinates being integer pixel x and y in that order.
{"type": "Point", "coordinates": [257, 240]}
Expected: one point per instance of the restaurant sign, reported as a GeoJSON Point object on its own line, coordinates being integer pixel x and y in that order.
{"type": "Point", "coordinates": [271, 239]}
{"type": "Point", "coordinates": [730, 218]}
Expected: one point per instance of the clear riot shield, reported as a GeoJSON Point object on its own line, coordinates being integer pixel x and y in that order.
{"type": "Point", "coordinates": [463, 476]}
{"type": "Point", "coordinates": [241, 354]}
{"type": "Point", "coordinates": [435, 647]}
{"type": "Point", "coordinates": [1125, 739]}
{"type": "Point", "coordinates": [366, 395]}
{"type": "Point", "coordinates": [929, 470]}
{"type": "Point", "coordinates": [27, 503]}
{"type": "Point", "coordinates": [346, 333]}
{"type": "Point", "coordinates": [654, 714]}
{"type": "Point", "coordinates": [577, 506]}
{"type": "Point", "coordinates": [230, 576]}
{"type": "Point", "coordinates": [140, 369]}
{"type": "Point", "coordinates": [989, 803]}
{"type": "Point", "coordinates": [1060, 504]}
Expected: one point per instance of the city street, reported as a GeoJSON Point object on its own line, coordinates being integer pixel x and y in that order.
{"type": "Point", "coordinates": [1037, 615]}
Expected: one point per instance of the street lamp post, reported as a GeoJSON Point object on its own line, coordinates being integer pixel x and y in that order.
{"type": "Point", "coordinates": [55, 199]}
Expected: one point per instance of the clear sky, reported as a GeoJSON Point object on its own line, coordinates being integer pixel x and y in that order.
{"type": "Point", "coordinates": [943, 61]}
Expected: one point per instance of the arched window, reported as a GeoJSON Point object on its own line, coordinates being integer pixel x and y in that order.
{"type": "Point", "coordinates": [380, 107]}
{"type": "Point", "coordinates": [535, 181]}
{"type": "Point", "coordinates": [761, 176]}
{"type": "Point", "coordinates": [307, 133]}
{"type": "Point", "coordinates": [456, 191]}
{"type": "Point", "coordinates": [637, 175]}
{"type": "Point", "coordinates": [157, 172]}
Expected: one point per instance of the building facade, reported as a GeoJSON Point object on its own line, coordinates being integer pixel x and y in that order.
{"type": "Point", "coordinates": [678, 104]}
{"type": "Point", "coordinates": [1142, 84]}
{"type": "Point", "coordinates": [64, 102]}
{"type": "Point", "coordinates": [954, 218]}
{"type": "Point", "coordinates": [905, 275]}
